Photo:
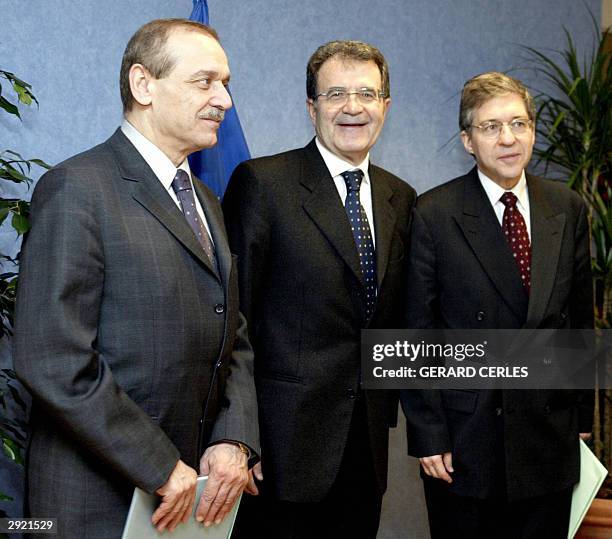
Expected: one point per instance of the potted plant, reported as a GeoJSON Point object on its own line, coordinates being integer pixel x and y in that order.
{"type": "Point", "coordinates": [574, 127]}
{"type": "Point", "coordinates": [14, 211]}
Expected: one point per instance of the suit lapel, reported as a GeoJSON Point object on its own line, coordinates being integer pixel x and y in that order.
{"type": "Point", "coordinates": [150, 193]}
{"type": "Point", "coordinates": [482, 231]}
{"type": "Point", "coordinates": [384, 221]}
{"type": "Point", "coordinates": [546, 235]}
{"type": "Point", "coordinates": [324, 207]}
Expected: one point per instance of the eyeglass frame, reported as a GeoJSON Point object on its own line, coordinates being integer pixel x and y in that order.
{"type": "Point", "coordinates": [501, 125]}
{"type": "Point", "coordinates": [378, 95]}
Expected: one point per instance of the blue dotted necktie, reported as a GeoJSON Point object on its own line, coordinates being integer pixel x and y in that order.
{"type": "Point", "coordinates": [182, 187]}
{"type": "Point", "coordinates": [362, 234]}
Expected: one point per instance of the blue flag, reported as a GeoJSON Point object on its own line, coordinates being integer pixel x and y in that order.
{"type": "Point", "coordinates": [215, 165]}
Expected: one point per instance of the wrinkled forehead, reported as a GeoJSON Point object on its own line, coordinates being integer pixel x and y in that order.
{"type": "Point", "coordinates": [346, 72]}
{"type": "Point", "coordinates": [193, 49]}
{"type": "Point", "coordinates": [504, 107]}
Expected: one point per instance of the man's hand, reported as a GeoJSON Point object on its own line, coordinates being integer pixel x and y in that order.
{"type": "Point", "coordinates": [251, 487]}
{"type": "Point", "coordinates": [178, 495]}
{"type": "Point", "coordinates": [584, 436]}
{"type": "Point", "coordinates": [227, 471]}
{"type": "Point", "coordinates": [439, 466]}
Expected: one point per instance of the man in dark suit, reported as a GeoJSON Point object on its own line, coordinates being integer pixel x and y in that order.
{"type": "Point", "coordinates": [322, 235]}
{"type": "Point", "coordinates": [499, 249]}
{"type": "Point", "coordinates": [128, 333]}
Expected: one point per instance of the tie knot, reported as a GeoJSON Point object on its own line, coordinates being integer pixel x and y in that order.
{"type": "Point", "coordinates": [509, 199]}
{"type": "Point", "coordinates": [353, 179]}
{"type": "Point", "coordinates": [181, 181]}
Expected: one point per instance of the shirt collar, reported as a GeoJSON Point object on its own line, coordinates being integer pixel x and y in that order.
{"type": "Point", "coordinates": [159, 162]}
{"type": "Point", "coordinates": [495, 191]}
{"type": "Point", "coordinates": [337, 165]}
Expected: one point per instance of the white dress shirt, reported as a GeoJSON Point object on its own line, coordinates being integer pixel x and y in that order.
{"type": "Point", "coordinates": [495, 191]}
{"type": "Point", "coordinates": [336, 166]}
{"type": "Point", "coordinates": [161, 166]}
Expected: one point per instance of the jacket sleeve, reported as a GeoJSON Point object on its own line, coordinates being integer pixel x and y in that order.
{"type": "Point", "coordinates": [425, 418]}
{"type": "Point", "coordinates": [60, 293]}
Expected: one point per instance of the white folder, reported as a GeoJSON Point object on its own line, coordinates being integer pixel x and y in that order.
{"type": "Point", "coordinates": [592, 475]}
{"type": "Point", "coordinates": [138, 524]}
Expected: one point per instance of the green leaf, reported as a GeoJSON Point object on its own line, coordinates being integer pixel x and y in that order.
{"type": "Point", "coordinates": [23, 94]}
{"type": "Point", "coordinates": [9, 107]}
{"type": "Point", "coordinates": [20, 223]}
{"type": "Point", "coordinates": [4, 211]}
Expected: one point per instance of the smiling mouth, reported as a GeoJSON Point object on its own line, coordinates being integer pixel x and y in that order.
{"type": "Point", "coordinates": [509, 157]}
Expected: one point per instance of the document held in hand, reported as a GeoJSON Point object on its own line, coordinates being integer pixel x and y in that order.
{"type": "Point", "coordinates": [138, 524]}
{"type": "Point", "coordinates": [592, 475]}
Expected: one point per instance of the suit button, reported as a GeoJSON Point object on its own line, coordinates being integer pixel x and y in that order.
{"type": "Point", "coordinates": [219, 308]}
{"type": "Point", "coordinates": [480, 316]}
{"type": "Point", "coordinates": [351, 393]}
{"type": "Point", "coordinates": [498, 411]}
{"type": "Point", "coordinates": [218, 365]}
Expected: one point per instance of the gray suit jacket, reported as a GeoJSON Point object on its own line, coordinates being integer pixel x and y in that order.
{"type": "Point", "coordinates": [462, 275]}
{"type": "Point", "coordinates": [129, 342]}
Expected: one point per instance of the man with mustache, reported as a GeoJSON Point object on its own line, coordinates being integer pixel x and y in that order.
{"type": "Point", "coordinates": [499, 249]}
{"type": "Point", "coordinates": [321, 236]}
{"type": "Point", "coordinates": [128, 333]}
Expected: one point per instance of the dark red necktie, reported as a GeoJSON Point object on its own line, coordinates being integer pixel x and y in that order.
{"type": "Point", "coordinates": [515, 231]}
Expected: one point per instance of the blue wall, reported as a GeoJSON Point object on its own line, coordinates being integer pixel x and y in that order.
{"type": "Point", "coordinates": [70, 52]}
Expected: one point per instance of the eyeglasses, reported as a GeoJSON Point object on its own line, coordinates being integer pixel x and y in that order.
{"type": "Point", "coordinates": [518, 126]}
{"type": "Point", "coordinates": [339, 96]}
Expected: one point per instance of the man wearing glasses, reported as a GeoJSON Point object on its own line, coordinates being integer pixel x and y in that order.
{"type": "Point", "coordinates": [498, 249]}
{"type": "Point", "coordinates": [322, 235]}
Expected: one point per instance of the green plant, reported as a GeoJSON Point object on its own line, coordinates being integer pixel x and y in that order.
{"type": "Point", "coordinates": [574, 126]}
{"type": "Point", "coordinates": [13, 168]}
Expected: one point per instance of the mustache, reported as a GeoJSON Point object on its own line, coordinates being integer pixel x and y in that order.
{"type": "Point", "coordinates": [217, 115]}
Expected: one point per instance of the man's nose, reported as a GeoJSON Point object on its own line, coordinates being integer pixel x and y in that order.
{"type": "Point", "coordinates": [506, 136]}
{"type": "Point", "coordinates": [221, 97]}
{"type": "Point", "coordinates": [352, 104]}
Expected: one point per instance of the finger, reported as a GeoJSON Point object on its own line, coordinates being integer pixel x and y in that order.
{"type": "Point", "coordinates": [188, 507]}
{"type": "Point", "coordinates": [170, 516]}
{"type": "Point", "coordinates": [217, 504]}
{"type": "Point", "coordinates": [441, 472]}
{"type": "Point", "coordinates": [229, 502]}
{"type": "Point", "coordinates": [207, 498]}
{"type": "Point", "coordinates": [447, 459]}
{"type": "Point", "coordinates": [251, 487]}
{"type": "Point", "coordinates": [425, 464]}
{"type": "Point", "coordinates": [161, 511]}
{"type": "Point", "coordinates": [180, 515]}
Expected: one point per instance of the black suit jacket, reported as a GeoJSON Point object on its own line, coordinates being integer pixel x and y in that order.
{"type": "Point", "coordinates": [462, 275]}
{"type": "Point", "coordinates": [302, 292]}
{"type": "Point", "coordinates": [122, 331]}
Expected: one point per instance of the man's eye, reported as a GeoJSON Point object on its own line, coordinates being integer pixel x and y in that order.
{"type": "Point", "coordinates": [335, 94]}
{"type": "Point", "coordinates": [203, 83]}
{"type": "Point", "coordinates": [367, 94]}
{"type": "Point", "coordinates": [521, 124]}
{"type": "Point", "coordinates": [490, 127]}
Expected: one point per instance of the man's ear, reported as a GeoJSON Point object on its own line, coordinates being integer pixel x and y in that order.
{"type": "Point", "coordinates": [141, 84]}
{"type": "Point", "coordinates": [466, 139]}
{"type": "Point", "coordinates": [312, 110]}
